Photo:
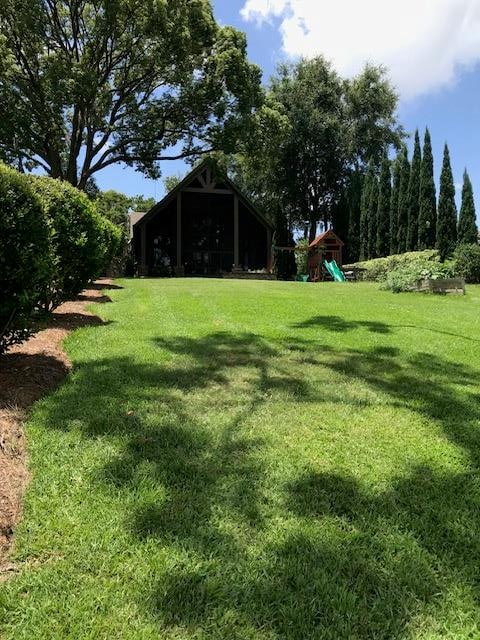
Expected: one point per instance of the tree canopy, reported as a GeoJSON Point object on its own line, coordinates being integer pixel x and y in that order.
{"type": "Point", "coordinates": [315, 132]}
{"type": "Point", "coordinates": [84, 85]}
{"type": "Point", "coordinates": [115, 206]}
{"type": "Point", "coordinates": [141, 203]}
{"type": "Point", "coordinates": [371, 111]}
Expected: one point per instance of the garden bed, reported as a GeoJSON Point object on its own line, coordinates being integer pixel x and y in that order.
{"type": "Point", "coordinates": [443, 285]}
{"type": "Point", "coordinates": [27, 372]}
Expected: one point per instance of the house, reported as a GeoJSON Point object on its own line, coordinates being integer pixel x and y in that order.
{"type": "Point", "coordinates": [204, 226]}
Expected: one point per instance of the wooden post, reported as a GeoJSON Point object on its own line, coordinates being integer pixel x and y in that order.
{"type": "Point", "coordinates": [269, 251]}
{"type": "Point", "coordinates": [179, 269]}
{"type": "Point", "coordinates": [143, 269]}
{"type": "Point", "coordinates": [236, 244]}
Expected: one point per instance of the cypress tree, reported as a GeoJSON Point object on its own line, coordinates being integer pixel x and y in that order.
{"type": "Point", "coordinates": [402, 217]}
{"type": "Point", "coordinates": [372, 219]}
{"type": "Point", "coordinates": [427, 214]}
{"type": "Point", "coordinates": [383, 210]}
{"type": "Point", "coordinates": [364, 209]}
{"type": "Point", "coordinates": [414, 196]}
{"type": "Point", "coordinates": [354, 211]}
{"type": "Point", "coordinates": [467, 221]}
{"type": "Point", "coordinates": [447, 210]}
{"type": "Point", "coordinates": [397, 175]}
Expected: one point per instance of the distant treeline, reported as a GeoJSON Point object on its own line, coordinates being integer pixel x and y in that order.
{"type": "Point", "coordinates": [398, 209]}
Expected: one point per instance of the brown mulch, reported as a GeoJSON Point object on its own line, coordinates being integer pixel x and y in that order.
{"type": "Point", "coordinates": [27, 372]}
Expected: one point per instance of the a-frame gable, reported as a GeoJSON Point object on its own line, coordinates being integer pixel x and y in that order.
{"type": "Point", "coordinates": [204, 179]}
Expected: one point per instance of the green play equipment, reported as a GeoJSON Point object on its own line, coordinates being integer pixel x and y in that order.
{"type": "Point", "coordinates": [335, 271]}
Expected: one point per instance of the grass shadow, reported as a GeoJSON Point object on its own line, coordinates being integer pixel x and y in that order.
{"type": "Point", "coordinates": [325, 557]}
{"type": "Point", "coordinates": [338, 324]}
{"type": "Point", "coordinates": [84, 297]}
{"type": "Point", "coordinates": [74, 320]}
{"type": "Point", "coordinates": [104, 285]}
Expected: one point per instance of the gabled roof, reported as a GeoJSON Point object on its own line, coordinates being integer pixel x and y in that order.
{"type": "Point", "coordinates": [323, 236]}
{"type": "Point", "coordinates": [133, 218]}
{"type": "Point", "coordinates": [171, 195]}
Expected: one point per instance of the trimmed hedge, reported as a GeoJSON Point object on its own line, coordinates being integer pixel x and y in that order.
{"type": "Point", "coordinates": [25, 255]}
{"type": "Point", "coordinates": [52, 243]}
{"type": "Point", "coordinates": [78, 239]}
{"type": "Point", "coordinates": [401, 272]}
{"type": "Point", "coordinates": [113, 244]}
{"type": "Point", "coordinates": [378, 269]}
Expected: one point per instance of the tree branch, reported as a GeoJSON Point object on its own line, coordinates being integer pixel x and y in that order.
{"type": "Point", "coordinates": [157, 158]}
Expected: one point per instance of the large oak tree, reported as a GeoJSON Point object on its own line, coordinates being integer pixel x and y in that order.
{"type": "Point", "coordinates": [85, 84]}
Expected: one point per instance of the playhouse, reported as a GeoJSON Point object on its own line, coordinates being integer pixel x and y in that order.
{"type": "Point", "coordinates": [326, 246]}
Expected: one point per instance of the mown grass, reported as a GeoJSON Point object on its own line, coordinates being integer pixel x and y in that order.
{"type": "Point", "coordinates": [248, 460]}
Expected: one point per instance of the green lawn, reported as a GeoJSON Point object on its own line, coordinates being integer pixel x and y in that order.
{"type": "Point", "coordinates": [257, 460]}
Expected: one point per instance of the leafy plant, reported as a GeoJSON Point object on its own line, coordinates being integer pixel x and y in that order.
{"type": "Point", "coordinates": [301, 256]}
{"type": "Point", "coordinates": [406, 277]}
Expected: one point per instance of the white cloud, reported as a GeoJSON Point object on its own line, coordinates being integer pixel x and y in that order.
{"type": "Point", "coordinates": [422, 42]}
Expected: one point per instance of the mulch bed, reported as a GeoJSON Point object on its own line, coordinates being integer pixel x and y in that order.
{"type": "Point", "coordinates": [27, 372]}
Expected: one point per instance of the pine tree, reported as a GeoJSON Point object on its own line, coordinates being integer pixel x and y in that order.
{"type": "Point", "coordinates": [402, 217]}
{"type": "Point", "coordinates": [364, 209]}
{"type": "Point", "coordinates": [427, 214]}
{"type": "Point", "coordinates": [467, 221]}
{"type": "Point", "coordinates": [397, 175]}
{"type": "Point", "coordinates": [414, 196]}
{"type": "Point", "coordinates": [383, 210]}
{"type": "Point", "coordinates": [447, 211]}
{"type": "Point", "coordinates": [372, 219]}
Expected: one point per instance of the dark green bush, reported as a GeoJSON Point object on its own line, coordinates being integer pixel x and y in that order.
{"type": "Point", "coordinates": [52, 243]}
{"type": "Point", "coordinates": [467, 262]}
{"type": "Point", "coordinates": [113, 243]}
{"type": "Point", "coordinates": [81, 239]}
{"type": "Point", "coordinates": [26, 263]}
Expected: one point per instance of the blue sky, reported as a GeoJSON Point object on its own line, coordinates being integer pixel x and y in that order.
{"type": "Point", "coordinates": [438, 78]}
